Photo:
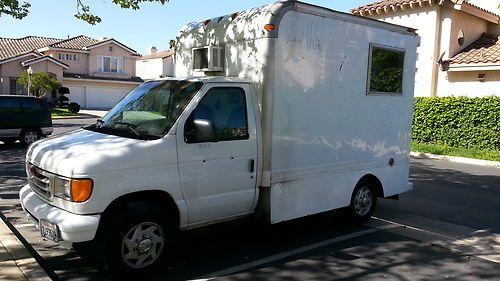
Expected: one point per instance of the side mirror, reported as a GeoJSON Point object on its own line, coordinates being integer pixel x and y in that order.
{"type": "Point", "coordinates": [200, 130]}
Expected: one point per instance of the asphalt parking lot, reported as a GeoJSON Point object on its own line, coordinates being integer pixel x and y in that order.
{"type": "Point", "coordinates": [446, 228]}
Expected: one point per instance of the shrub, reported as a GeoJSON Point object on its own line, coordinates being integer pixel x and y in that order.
{"type": "Point", "coordinates": [73, 107]}
{"type": "Point", "coordinates": [457, 121]}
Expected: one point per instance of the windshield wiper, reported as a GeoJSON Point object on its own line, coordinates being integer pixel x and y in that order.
{"type": "Point", "coordinates": [129, 126]}
{"type": "Point", "coordinates": [99, 123]}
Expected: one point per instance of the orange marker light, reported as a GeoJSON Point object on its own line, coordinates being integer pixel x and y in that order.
{"type": "Point", "coordinates": [269, 27]}
{"type": "Point", "coordinates": [81, 189]}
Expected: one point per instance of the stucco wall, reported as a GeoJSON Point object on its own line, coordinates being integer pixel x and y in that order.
{"type": "Point", "coordinates": [49, 67]}
{"type": "Point", "coordinates": [153, 68]}
{"type": "Point", "coordinates": [424, 20]}
{"type": "Point", "coordinates": [466, 84]}
{"type": "Point", "coordinates": [12, 69]}
{"type": "Point", "coordinates": [128, 61]}
{"type": "Point", "coordinates": [472, 27]}
{"type": "Point", "coordinates": [80, 67]}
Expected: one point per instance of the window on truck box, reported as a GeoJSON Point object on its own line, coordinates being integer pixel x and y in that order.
{"type": "Point", "coordinates": [385, 70]}
{"type": "Point", "coordinates": [225, 108]}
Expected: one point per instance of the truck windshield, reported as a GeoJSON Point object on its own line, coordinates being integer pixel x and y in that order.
{"type": "Point", "coordinates": [149, 111]}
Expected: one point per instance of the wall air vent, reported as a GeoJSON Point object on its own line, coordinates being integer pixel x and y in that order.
{"type": "Point", "coordinates": [208, 58]}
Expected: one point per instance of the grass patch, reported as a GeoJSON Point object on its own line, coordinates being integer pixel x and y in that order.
{"type": "Point", "coordinates": [58, 112]}
{"type": "Point", "coordinates": [476, 153]}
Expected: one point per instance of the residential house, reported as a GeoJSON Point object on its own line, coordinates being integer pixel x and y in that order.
{"type": "Point", "coordinates": [459, 52]}
{"type": "Point", "coordinates": [98, 73]}
{"type": "Point", "coordinates": [156, 64]}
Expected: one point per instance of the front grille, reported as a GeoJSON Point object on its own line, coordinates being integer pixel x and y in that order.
{"type": "Point", "coordinates": [39, 180]}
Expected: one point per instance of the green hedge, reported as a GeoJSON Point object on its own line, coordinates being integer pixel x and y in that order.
{"type": "Point", "coordinates": [457, 121]}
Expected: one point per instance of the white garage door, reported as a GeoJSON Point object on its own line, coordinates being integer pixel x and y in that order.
{"type": "Point", "coordinates": [77, 94]}
{"type": "Point", "coordinates": [101, 97]}
{"type": "Point", "coordinates": [97, 97]}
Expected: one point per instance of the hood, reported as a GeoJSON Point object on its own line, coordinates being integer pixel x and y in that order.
{"type": "Point", "coordinates": [80, 152]}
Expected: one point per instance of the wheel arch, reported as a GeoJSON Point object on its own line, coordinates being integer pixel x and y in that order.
{"type": "Point", "coordinates": [161, 198]}
{"type": "Point", "coordinates": [377, 184]}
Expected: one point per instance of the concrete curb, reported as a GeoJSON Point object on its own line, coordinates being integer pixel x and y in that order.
{"type": "Point", "coordinates": [487, 163]}
{"type": "Point", "coordinates": [17, 262]}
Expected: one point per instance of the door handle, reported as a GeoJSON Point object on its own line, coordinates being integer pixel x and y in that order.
{"type": "Point", "coordinates": [252, 165]}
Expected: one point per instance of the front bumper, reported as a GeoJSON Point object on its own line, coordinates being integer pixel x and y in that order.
{"type": "Point", "coordinates": [47, 130]}
{"type": "Point", "coordinates": [72, 227]}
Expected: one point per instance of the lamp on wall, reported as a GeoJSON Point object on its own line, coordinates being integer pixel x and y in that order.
{"type": "Point", "coordinates": [1, 85]}
{"type": "Point", "coordinates": [480, 77]}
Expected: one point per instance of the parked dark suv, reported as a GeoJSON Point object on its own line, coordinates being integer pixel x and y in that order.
{"type": "Point", "coordinates": [23, 118]}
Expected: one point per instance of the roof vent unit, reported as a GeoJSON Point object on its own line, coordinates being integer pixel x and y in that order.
{"type": "Point", "coordinates": [208, 58]}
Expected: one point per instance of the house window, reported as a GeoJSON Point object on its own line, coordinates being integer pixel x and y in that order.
{"type": "Point", "coordinates": [110, 64]}
{"type": "Point", "coordinates": [16, 88]}
{"type": "Point", "coordinates": [385, 71]}
{"type": "Point", "coordinates": [67, 56]}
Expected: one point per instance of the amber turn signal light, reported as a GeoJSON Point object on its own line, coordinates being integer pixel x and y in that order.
{"type": "Point", "coordinates": [81, 189]}
{"type": "Point", "coordinates": [269, 27]}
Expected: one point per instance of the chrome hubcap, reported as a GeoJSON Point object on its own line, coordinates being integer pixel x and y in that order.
{"type": "Point", "coordinates": [30, 137]}
{"type": "Point", "coordinates": [363, 201]}
{"type": "Point", "coordinates": [142, 245]}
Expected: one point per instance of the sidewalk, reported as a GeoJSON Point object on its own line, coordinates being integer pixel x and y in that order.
{"type": "Point", "coordinates": [85, 113]}
{"type": "Point", "coordinates": [94, 112]}
{"type": "Point", "coordinates": [16, 262]}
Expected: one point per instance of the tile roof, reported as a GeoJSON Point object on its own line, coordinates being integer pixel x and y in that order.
{"type": "Point", "coordinates": [157, 55]}
{"type": "Point", "coordinates": [76, 43]}
{"type": "Point", "coordinates": [46, 57]}
{"type": "Point", "coordinates": [486, 49]}
{"type": "Point", "coordinates": [398, 3]}
{"type": "Point", "coordinates": [12, 47]}
{"type": "Point", "coordinates": [85, 76]}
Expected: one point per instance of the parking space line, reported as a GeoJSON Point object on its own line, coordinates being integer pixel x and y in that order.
{"type": "Point", "coordinates": [481, 244]}
{"type": "Point", "coordinates": [287, 254]}
{"type": "Point", "coordinates": [410, 227]}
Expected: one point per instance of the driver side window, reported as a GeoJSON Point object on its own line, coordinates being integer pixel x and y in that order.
{"type": "Point", "coordinates": [220, 116]}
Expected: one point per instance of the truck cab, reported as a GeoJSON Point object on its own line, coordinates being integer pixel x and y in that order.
{"type": "Point", "coordinates": [189, 147]}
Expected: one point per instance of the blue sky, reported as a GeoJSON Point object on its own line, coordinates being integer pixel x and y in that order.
{"type": "Point", "coordinates": [152, 25]}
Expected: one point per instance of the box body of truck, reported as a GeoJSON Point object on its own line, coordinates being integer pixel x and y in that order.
{"type": "Point", "coordinates": [335, 93]}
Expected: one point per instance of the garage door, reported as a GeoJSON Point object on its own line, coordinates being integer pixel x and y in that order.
{"type": "Point", "coordinates": [103, 97]}
{"type": "Point", "coordinates": [97, 97]}
{"type": "Point", "coordinates": [77, 94]}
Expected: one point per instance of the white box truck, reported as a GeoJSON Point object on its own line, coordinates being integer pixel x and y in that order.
{"type": "Point", "coordinates": [286, 110]}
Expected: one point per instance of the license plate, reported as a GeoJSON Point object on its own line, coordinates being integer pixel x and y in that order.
{"type": "Point", "coordinates": [49, 230]}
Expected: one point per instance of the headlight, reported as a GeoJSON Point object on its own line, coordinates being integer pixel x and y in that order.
{"type": "Point", "coordinates": [75, 190]}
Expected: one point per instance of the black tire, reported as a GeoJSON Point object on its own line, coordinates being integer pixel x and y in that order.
{"type": "Point", "coordinates": [122, 253]}
{"type": "Point", "coordinates": [363, 202]}
{"type": "Point", "coordinates": [29, 136]}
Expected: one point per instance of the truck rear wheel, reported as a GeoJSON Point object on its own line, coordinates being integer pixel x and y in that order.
{"type": "Point", "coordinates": [137, 240]}
{"type": "Point", "coordinates": [363, 202]}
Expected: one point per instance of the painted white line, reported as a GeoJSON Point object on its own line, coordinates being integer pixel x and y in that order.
{"type": "Point", "coordinates": [410, 227]}
{"type": "Point", "coordinates": [481, 244]}
{"type": "Point", "coordinates": [287, 254]}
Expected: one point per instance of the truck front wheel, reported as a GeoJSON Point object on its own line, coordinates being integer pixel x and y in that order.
{"type": "Point", "coordinates": [137, 240]}
{"type": "Point", "coordinates": [363, 202]}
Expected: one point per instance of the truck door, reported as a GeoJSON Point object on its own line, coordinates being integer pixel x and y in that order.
{"type": "Point", "coordinates": [217, 147]}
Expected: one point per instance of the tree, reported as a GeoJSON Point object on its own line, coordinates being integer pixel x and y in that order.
{"type": "Point", "coordinates": [20, 10]}
{"type": "Point", "coordinates": [41, 82]}
{"type": "Point", "coordinates": [13, 9]}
